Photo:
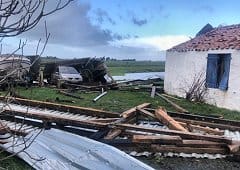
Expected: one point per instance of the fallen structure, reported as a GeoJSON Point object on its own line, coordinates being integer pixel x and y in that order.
{"type": "Point", "coordinates": [163, 132]}
{"type": "Point", "coordinates": [56, 149]}
{"type": "Point", "coordinates": [92, 70]}
{"type": "Point", "coordinates": [18, 69]}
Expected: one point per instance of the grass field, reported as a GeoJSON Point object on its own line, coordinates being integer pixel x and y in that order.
{"type": "Point", "coordinates": [119, 101]}
{"type": "Point", "coordinates": [13, 163]}
{"type": "Point", "coordinates": [118, 68]}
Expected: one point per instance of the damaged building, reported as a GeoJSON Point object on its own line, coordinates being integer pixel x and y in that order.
{"type": "Point", "coordinates": [215, 55]}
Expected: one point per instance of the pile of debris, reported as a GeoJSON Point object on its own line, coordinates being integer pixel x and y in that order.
{"type": "Point", "coordinates": [139, 129]}
{"type": "Point", "coordinates": [90, 70]}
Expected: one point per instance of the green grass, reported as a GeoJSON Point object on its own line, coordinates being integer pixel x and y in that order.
{"type": "Point", "coordinates": [119, 101]}
{"type": "Point", "coordinates": [118, 68]}
{"type": "Point", "coordinates": [13, 163]}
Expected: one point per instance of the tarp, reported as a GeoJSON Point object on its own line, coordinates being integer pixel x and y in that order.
{"type": "Point", "coordinates": [56, 149]}
{"type": "Point", "coordinates": [139, 76]}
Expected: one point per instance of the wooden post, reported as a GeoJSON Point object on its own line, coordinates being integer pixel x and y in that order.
{"type": "Point", "coordinates": [168, 121]}
{"type": "Point", "coordinates": [177, 107]}
{"type": "Point", "coordinates": [153, 91]}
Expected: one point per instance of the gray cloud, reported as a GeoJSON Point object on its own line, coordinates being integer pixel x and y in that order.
{"type": "Point", "coordinates": [72, 26]}
{"type": "Point", "coordinates": [139, 22]}
{"type": "Point", "coordinates": [102, 15]}
{"type": "Point", "coordinates": [74, 35]}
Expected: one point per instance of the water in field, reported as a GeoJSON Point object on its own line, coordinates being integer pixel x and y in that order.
{"type": "Point", "coordinates": [139, 76]}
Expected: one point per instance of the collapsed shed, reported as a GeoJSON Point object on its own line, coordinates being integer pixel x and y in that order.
{"type": "Point", "coordinates": [19, 68]}
{"type": "Point", "coordinates": [91, 69]}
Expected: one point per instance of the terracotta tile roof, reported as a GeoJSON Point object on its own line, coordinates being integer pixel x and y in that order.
{"type": "Point", "coordinates": [227, 37]}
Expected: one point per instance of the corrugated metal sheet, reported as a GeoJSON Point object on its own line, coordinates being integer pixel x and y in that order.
{"type": "Point", "coordinates": [62, 150]}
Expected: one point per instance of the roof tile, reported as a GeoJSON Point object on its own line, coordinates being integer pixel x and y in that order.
{"type": "Point", "coordinates": [227, 37]}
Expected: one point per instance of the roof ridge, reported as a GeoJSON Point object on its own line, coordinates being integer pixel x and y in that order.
{"type": "Point", "coordinates": [223, 37]}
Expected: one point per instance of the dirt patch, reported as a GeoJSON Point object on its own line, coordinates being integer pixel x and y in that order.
{"type": "Point", "coordinates": [191, 164]}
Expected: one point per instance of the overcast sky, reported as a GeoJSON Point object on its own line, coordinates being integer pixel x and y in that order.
{"type": "Point", "coordinates": [140, 29]}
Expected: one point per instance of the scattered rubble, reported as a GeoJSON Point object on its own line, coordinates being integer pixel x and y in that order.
{"type": "Point", "coordinates": [163, 132]}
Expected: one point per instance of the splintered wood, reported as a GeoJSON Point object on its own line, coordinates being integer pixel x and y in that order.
{"type": "Point", "coordinates": [168, 121]}
{"type": "Point", "coordinates": [137, 129]}
{"type": "Point", "coordinates": [126, 117]}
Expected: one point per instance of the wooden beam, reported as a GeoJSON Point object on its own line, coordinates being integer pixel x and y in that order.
{"type": "Point", "coordinates": [56, 119]}
{"type": "Point", "coordinates": [183, 135]}
{"type": "Point", "coordinates": [165, 95]}
{"type": "Point", "coordinates": [132, 111]}
{"type": "Point", "coordinates": [126, 117]}
{"type": "Point", "coordinates": [146, 113]}
{"type": "Point", "coordinates": [208, 124]}
{"type": "Point", "coordinates": [176, 149]}
{"type": "Point", "coordinates": [163, 117]}
{"type": "Point", "coordinates": [177, 107]}
{"type": "Point", "coordinates": [233, 148]}
{"type": "Point", "coordinates": [201, 144]}
{"type": "Point", "coordinates": [204, 118]}
{"type": "Point", "coordinates": [64, 108]}
{"type": "Point", "coordinates": [153, 91]}
{"type": "Point", "coordinates": [207, 130]}
{"type": "Point", "coordinates": [166, 139]}
{"type": "Point", "coordinates": [105, 120]}
{"type": "Point", "coordinates": [113, 133]}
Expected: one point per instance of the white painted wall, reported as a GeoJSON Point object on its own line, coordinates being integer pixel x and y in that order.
{"type": "Point", "coordinates": [181, 67]}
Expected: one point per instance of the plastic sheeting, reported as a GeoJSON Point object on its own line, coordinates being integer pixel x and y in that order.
{"type": "Point", "coordinates": [139, 76]}
{"type": "Point", "coordinates": [62, 150]}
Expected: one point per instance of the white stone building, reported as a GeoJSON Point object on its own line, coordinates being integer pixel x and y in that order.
{"type": "Point", "coordinates": [214, 54]}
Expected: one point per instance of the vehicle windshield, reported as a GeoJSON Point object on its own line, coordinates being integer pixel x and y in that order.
{"type": "Point", "coordinates": [67, 70]}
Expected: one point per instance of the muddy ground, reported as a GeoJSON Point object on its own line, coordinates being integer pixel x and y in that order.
{"type": "Point", "coordinates": [191, 163]}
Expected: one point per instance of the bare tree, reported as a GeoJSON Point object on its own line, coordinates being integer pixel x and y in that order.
{"type": "Point", "coordinates": [196, 90]}
{"type": "Point", "coordinates": [17, 17]}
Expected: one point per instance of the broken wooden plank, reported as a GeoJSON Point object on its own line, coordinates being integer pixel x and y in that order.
{"type": "Point", "coordinates": [99, 96]}
{"type": "Point", "coordinates": [132, 111]}
{"type": "Point", "coordinates": [165, 139]}
{"type": "Point", "coordinates": [113, 133]}
{"type": "Point", "coordinates": [168, 121]}
{"type": "Point", "coordinates": [204, 118]}
{"type": "Point", "coordinates": [165, 95]}
{"type": "Point", "coordinates": [177, 107]}
{"type": "Point", "coordinates": [208, 124]}
{"type": "Point", "coordinates": [201, 144]}
{"type": "Point", "coordinates": [207, 130]}
{"type": "Point", "coordinates": [126, 117]}
{"type": "Point", "coordinates": [48, 118]}
{"type": "Point", "coordinates": [146, 113]}
{"type": "Point", "coordinates": [186, 125]}
{"type": "Point", "coordinates": [176, 149]}
{"type": "Point", "coordinates": [234, 148]}
{"type": "Point", "coordinates": [62, 107]}
{"type": "Point", "coordinates": [183, 135]}
{"type": "Point", "coordinates": [153, 91]}
{"type": "Point", "coordinates": [105, 120]}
